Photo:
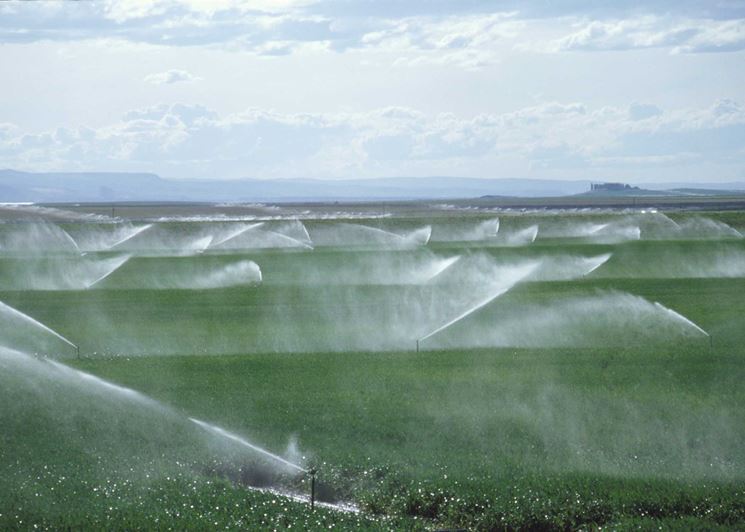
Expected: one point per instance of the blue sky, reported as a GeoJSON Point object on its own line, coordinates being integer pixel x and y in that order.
{"type": "Point", "coordinates": [632, 91]}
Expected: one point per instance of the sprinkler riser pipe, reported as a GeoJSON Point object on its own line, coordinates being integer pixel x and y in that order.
{"type": "Point", "coordinates": [313, 489]}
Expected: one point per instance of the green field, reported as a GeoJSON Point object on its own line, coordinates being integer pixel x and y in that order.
{"type": "Point", "coordinates": [575, 370]}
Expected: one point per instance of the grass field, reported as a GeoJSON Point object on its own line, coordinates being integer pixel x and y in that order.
{"type": "Point", "coordinates": [591, 375]}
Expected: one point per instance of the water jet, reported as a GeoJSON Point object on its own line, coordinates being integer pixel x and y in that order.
{"type": "Point", "coordinates": [237, 439]}
{"type": "Point", "coordinates": [682, 318]}
{"type": "Point", "coordinates": [116, 265]}
{"type": "Point", "coordinates": [136, 231]}
{"type": "Point", "coordinates": [28, 319]}
{"type": "Point", "coordinates": [526, 271]}
{"type": "Point", "coordinates": [235, 233]}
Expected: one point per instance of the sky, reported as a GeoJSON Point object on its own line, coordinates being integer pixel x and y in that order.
{"type": "Point", "coordinates": [634, 91]}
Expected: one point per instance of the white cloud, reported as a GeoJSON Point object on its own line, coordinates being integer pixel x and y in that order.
{"type": "Point", "coordinates": [170, 77]}
{"type": "Point", "coordinates": [126, 10]}
{"type": "Point", "coordinates": [469, 41]}
{"type": "Point", "coordinates": [132, 9]}
{"type": "Point", "coordinates": [687, 36]}
{"type": "Point", "coordinates": [466, 34]}
{"type": "Point", "coordinates": [8, 131]}
{"type": "Point", "coordinates": [727, 36]}
{"type": "Point", "coordinates": [251, 26]}
{"type": "Point", "coordinates": [542, 140]}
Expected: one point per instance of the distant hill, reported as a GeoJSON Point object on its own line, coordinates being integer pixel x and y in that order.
{"type": "Point", "coordinates": [94, 187]}
{"type": "Point", "coordinates": [611, 189]}
{"type": "Point", "coordinates": [628, 193]}
{"type": "Point", "coordinates": [705, 191]}
{"type": "Point", "coordinates": [737, 187]}
{"type": "Point", "coordinates": [66, 187]}
{"type": "Point", "coordinates": [60, 187]}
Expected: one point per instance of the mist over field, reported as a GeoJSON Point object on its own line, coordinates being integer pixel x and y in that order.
{"type": "Point", "coordinates": [261, 345]}
{"type": "Point", "coordinates": [372, 265]}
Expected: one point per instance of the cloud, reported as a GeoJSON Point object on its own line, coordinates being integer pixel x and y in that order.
{"type": "Point", "coordinates": [249, 26]}
{"type": "Point", "coordinates": [467, 33]}
{"type": "Point", "coordinates": [7, 131]}
{"type": "Point", "coordinates": [543, 140]}
{"type": "Point", "coordinates": [642, 111]}
{"type": "Point", "coordinates": [597, 9]}
{"type": "Point", "coordinates": [681, 36]}
{"type": "Point", "coordinates": [470, 41]}
{"type": "Point", "coordinates": [170, 77]}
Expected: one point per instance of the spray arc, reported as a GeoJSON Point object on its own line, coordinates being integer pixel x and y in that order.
{"type": "Point", "coordinates": [37, 324]}
{"type": "Point", "coordinates": [504, 287]}
{"type": "Point", "coordinates": [679, 317]}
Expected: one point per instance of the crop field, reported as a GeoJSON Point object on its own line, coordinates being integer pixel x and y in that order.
{"type": "Point", "coordinates": [430, 366]}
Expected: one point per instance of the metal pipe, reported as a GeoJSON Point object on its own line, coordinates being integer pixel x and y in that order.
{"type": "Point", "coordinates": [313, 488]}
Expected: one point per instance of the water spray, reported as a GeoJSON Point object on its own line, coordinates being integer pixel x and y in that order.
{"type": "Point", "coordinates": [598, 262]}
{"type": "Point", "coordinates": [70, 239]}
{"type": "Point", "coordinates": [289, 239]}
{"type": "Point", "coordinates": [442, 267]}
{"type": "Point", "coordinates": [130, 236]}
{"type": "Point", "coordinates": [129, 393]}
{"type": "Point", "coordinates": [118, 265]}
{"type": "Point", "coordinates": [678, 316]}
{"type": "Point", "coordinates": [106, 385]}
{"type": "Point", "coordinates": [480, 304]}
{"type": "Point", "coordinates": [463, 315]}
{"type": "Point", "coordinates": [234, 437]}
{"type": "Point", "coordinates": [25, 317]}
{"type": "Point", "coordinates": [419, 236]}
{"type": "Point", "coordinates": [305, 232]}
{"type": "Point", "coordinates": [236, 233]}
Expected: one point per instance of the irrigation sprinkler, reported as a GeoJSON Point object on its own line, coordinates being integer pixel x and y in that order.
{"type": "Point", "coordinates": [312, 473]}
{"type": "Point", "coordinates": [417, 346]}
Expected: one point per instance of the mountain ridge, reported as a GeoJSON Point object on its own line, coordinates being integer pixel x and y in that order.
{"type": "Point", "coordinates": [40, 187]}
